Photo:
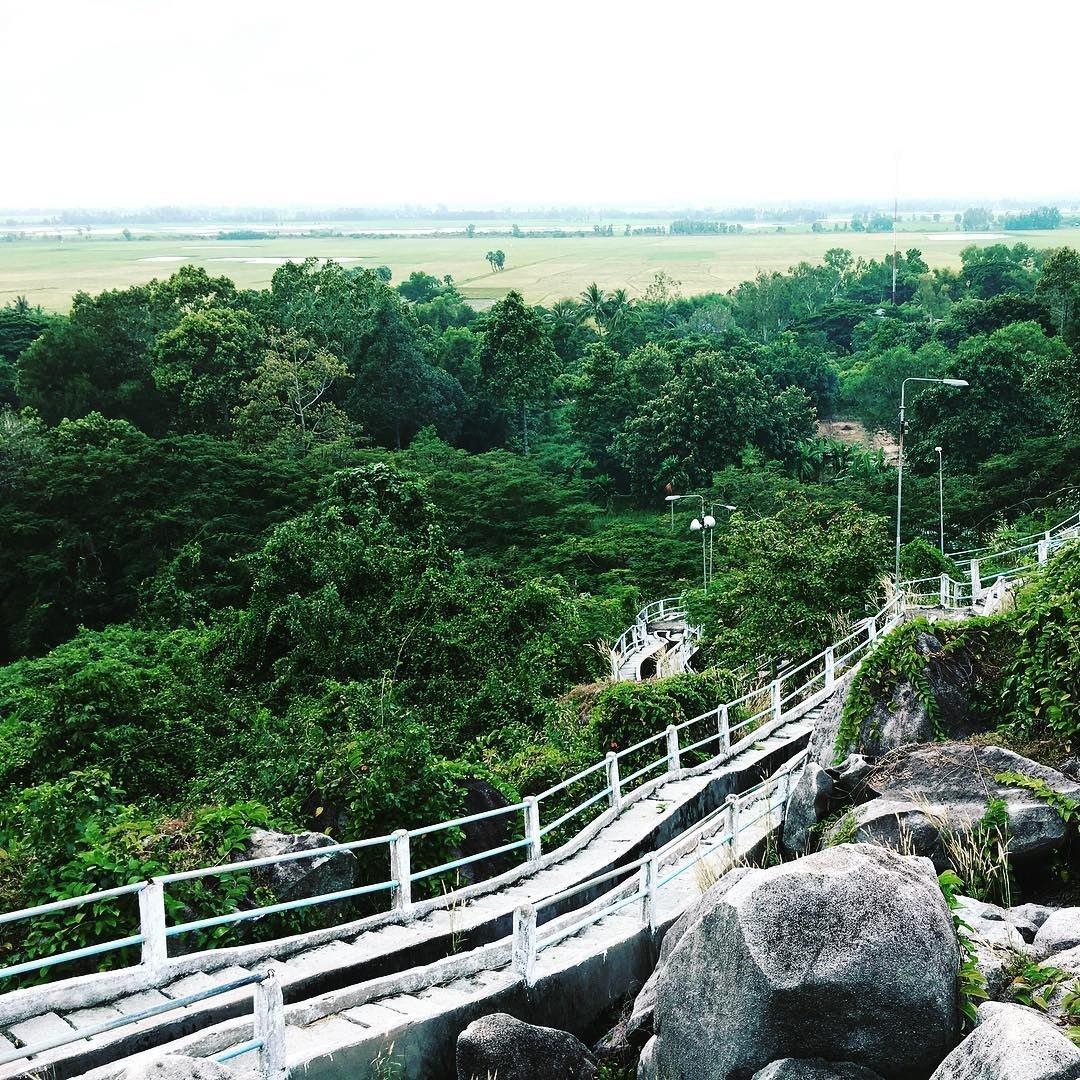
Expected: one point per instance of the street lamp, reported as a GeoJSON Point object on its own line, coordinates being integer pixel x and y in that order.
{"type": "Point", "coordinates": [712, 507]}
{"type": "Point", "coordinates": [705, 526]}
{"type": "Point", "coordinates": [900, 455]}
{"type": "Point", "coordinates": [940, 499]}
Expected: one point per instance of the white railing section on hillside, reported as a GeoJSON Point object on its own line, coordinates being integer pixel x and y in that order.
{"type": "Point", "coordinates": [764, 800]}
{"type": "Point", "coordinates": [637, 636]}
{"type": "Point", "coordinates": [268, 1034]}
{"type": "Point", "coordinates": [622, 777]}
{"type": "Point", "coordinates": [1071, 522]}
{"type": "Point", "coordinates": [986, 572]}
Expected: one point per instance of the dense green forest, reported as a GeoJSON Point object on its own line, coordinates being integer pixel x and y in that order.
{"type": "Point", "coordinates": [314, 556]}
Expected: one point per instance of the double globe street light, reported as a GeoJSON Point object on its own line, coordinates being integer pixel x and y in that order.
{"type": "Point", "coordinates": [705, 526]}
{"type": "Point", "coordinates": [900, 461]}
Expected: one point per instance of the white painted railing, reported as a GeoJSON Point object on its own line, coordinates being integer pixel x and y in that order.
{"type": "Point", "coordinates": [610, 784]}
{"type": "Point", "coordinates": [268, 1026]}
{"type": "Point", "coordinates": [637, 635]}
{"type": "Point", "coordinates": [764, 800]}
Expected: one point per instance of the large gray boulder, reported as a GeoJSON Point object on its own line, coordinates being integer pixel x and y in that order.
{"type": "Point", "coordinates": [807, 804]}
{"type": "Point", "coordinates": [177, 1067]}
{"type": "Point", "coordinates": [299, 878]}
{"type": "Point", "coordinates": [1011, 1042]}
{"type": "Point", "coordinates": [850, 775]}
{"type": "Point", "coordinates": [502, 1046]}
{"type": "Point", "coordinates": [827, 727]}
{"type": "Point", "coordinates": [924, 793]}
{"type": "Point", "coordinates": [1060, 932]}
{"type": "Point", "coordinates": [639, 1026]}
{"type": "Point", "coordinates": [1029, 918]}
{"type": "Point", "coordinates": [814, 1069]}
{"type": "Point", "coordinates": [847, 955]}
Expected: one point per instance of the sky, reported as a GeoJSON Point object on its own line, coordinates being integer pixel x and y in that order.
{"type": "Point", "coordinates": [126, 103]}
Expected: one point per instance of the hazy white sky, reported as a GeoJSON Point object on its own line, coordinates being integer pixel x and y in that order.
{"type": "Point", "coordinates": [493, 102]}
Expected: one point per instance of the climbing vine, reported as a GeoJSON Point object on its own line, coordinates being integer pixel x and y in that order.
{"type": "Point", "coordinates": [970, 983]}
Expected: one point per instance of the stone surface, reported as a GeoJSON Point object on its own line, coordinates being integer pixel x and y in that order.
{"type": "Point", "coordinates": [850, 775]}
{"type": "Point", "coordinates": [503, 1046]}
{"type": "Point", "coordinates": [806, 806]}
{"type": "Point", "coordinates": [848, 954]}
{"type": "Point", "coordinates": [299, 878]}
{"type": "Point", "coordinates": [827, 727]}
{"type": "Point", "coordinates": [177, 1067]}
{"type": "Point", "coordinates": [1028, 918]}
{"type": "Point", "coordinates": [923, 793]}
{"type": "Point", "coordinates": [639, 1026]}
{"type": "Point", "coordinates": [814, 1069]}
{"type": "Point", "coordinates": [1011, 1042]}
{"type": "Point", "coordinates": [1060, 932]}
{"type": "Point", "coordinates": [998, 944]}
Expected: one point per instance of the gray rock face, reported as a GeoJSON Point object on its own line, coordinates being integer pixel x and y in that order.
{"type": "Point", "coordinates": [925, 790]}
{"type": "Point", "coordinates": [639, 1027]}
{"type": "Point", "coordinates": [997, 942]}
{"type": "Point", "coordinates": [806, 806]}
{"type": "Point", "coordinates": [1011, 1042]}
{"type": "Point", "coordinates": [814, 1069]}
{"type": "Point", "coordinates": [299, 878]}
{"type": "Point", "coordinates": [1028, 918]}
{"type": "Point", "coordinates": [827, 727]}
{"type": "Point", "coordinates": [478, 836]}
{"type": "Point", "coordinates": [850, 775]}
{"type": "Point", "coordinates": [177, 1067]}
{"type": "Point", "coordinates": [503, 1046]}
{"type": "Point", "coordinates": [847, 955]}
{"type": "Point", "coordinates": [1060, 932]}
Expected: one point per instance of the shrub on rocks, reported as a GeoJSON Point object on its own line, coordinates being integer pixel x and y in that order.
{"type": "Point", "coordinates": [847, 955]}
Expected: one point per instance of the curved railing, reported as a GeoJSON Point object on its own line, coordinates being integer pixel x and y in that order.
{"type": "Point", "coordinates": [637, 636]}
{"type": "Point", "coordinates": [622, 777]}
{"type": "Point", "coordinates": [619, 779]}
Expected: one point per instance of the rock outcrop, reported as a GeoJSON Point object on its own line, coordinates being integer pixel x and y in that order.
{"type": "Point", "coordinates": [814, 1069]}
{"type": "Point", "coordinates": [998, 943]}
{"type": "Point", "coordinates": [1059, 933]}
{"type": "Point", "coordinates": [847, 955]}
{"type": "Point", "coordinates": [502, 1046]}
{"type": "Point", "coordinates": [806, 806]}
{"type": "Point", "coordinates": [921, 792]}
{"type": "Point", "coordinates": [177, 1067]}
{"type": "Point", "coordinates": [299, 878]}
{"type": "Point", "coordinates": [1011, 1042]}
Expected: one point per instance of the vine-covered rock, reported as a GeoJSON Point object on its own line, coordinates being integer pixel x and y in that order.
{"type": "Point", "coordinates": [924, 793]}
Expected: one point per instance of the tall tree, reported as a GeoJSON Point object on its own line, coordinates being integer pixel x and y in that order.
{"type": "Point", "coordinates": [517, 358]}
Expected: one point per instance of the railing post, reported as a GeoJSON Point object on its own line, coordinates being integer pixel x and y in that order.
{"type": "Point", "coordinates": [871, 629]}
{"type": "Point", "coordinates": [776, 706]}
{"type": "Point", "coordinates": [830, 668]}
{"type": "Point", "coordinates": [613, 780]}
{"type": "Point", "coordinates": [943, 591]}
{"type": "Point", "coordinates": [976, 581]}
{"type": "Point", "coordinates": [723, 725]}
{"type": "Point", "coordinates": [401, 869]}
{"type": "Point", "coordinates": [674, 764]}
{"type": "Point", "coordinates": [733, 824]}
{"type": "Point", "coordinates": [1044, 551]}
{"type": "Point", "coordinates": [524, 945]}
{"type": "Point", "coordinates": [269, 1028]}
{"type": "Point", "coordinates": [155, 946]}
{"type": "Point", "coordinates": [532, 826]}
{"type": "Point", "coordinates": [647, 878]}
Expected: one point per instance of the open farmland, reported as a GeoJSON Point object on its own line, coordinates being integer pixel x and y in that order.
{"type": "Point", "coordinates": [543, 269]}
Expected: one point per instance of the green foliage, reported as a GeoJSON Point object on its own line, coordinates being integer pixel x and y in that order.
{"type": "Point", "coordinates": [1068, 808]}
{"type": "Point", "coordinates": [1041, 686]}
{"type": "Point", "coordinates": [896, 659]}
{"type": "Point", "coordinates": [1038, 985]}
{"type": "Point", "coordinates": [970, 983]}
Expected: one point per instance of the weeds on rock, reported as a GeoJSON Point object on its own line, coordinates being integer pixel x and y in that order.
{"type": "Point", "coordinates": [1038, 984]}
{"type": "Point", "coordinates": [970, 983]}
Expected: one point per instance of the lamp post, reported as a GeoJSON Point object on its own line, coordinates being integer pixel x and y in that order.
{"type": "Point", "coordinates": [712, 507]}
{"type": "Point", "coordinates": [900, 455]}
{"type": "Point", "coordinates": [940, 499]}
{"type": "Point", "coordinates": [702, 526]}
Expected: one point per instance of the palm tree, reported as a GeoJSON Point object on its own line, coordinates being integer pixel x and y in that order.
{"type": "Point", "coordinates": [594, 303]}
{"type": "Point", "coordinates": [618, 304]}
{"type": "Point", "coordinates": [564, 315]}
